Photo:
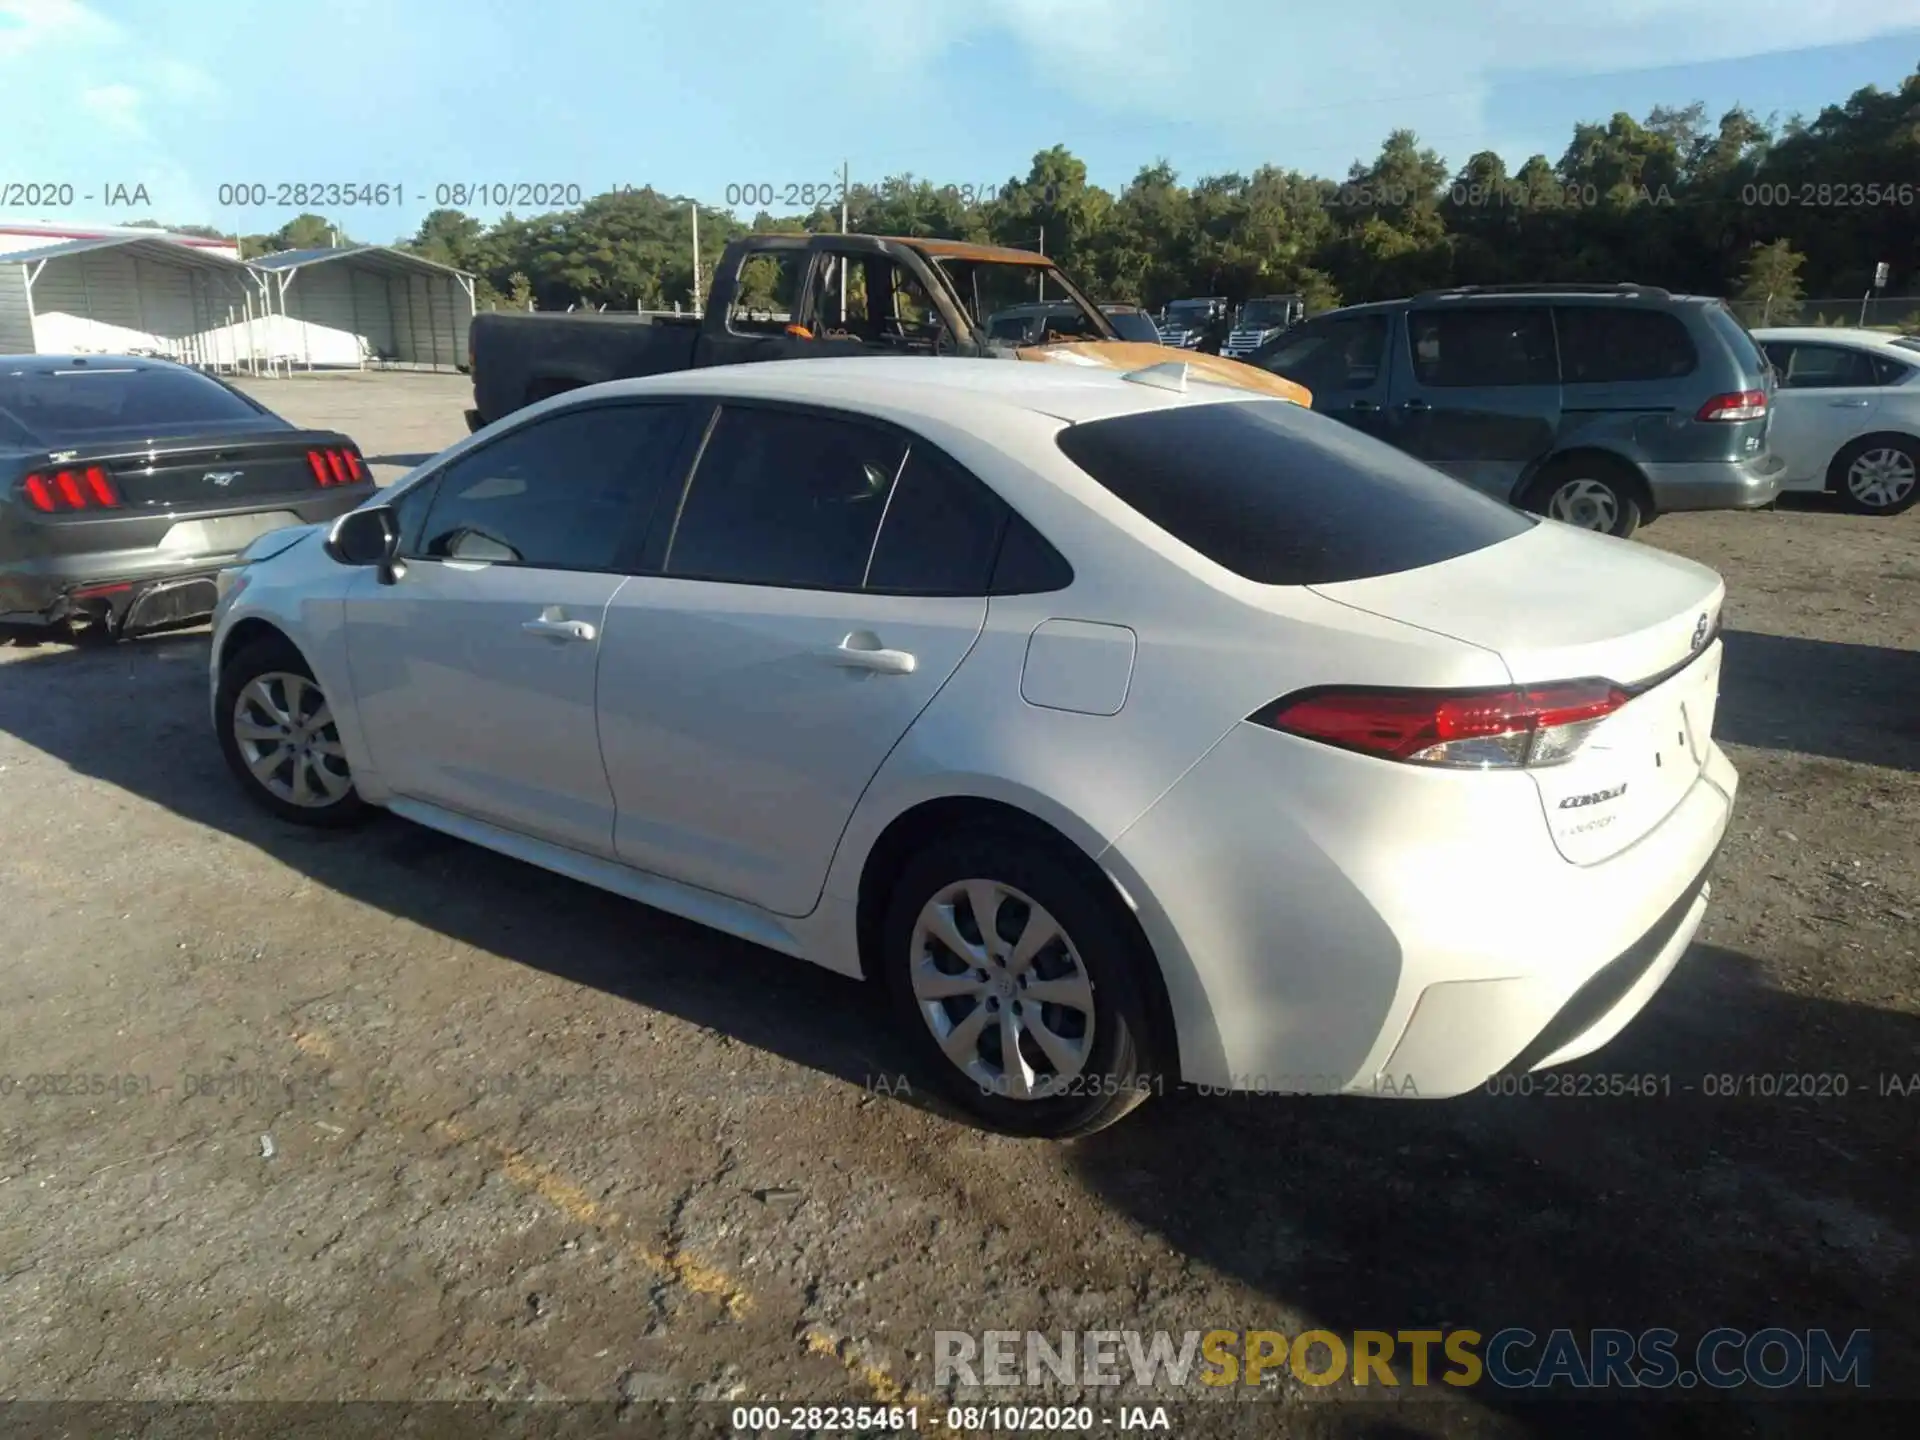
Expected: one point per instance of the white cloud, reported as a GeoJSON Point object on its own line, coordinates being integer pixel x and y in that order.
{"type": "Point", "coordinates": [27, 25]}
{"type": "Point", "coordinates": [1249, 62]}
{"type": "Point", "coordinates": [115, 106]}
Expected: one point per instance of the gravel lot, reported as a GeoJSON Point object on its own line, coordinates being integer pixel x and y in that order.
{"type": "Point", "coordinates": [410, 1121]}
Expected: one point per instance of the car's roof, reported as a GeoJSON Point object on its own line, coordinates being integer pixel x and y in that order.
{"type": "Point", "coordinates": [937, 387]}
{"type": "Point", "coordinates": [1843, 334]}
{"type": "Point", "coordinates": [53, 364]}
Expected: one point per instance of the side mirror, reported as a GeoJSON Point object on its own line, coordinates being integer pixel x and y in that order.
{"type": "Point", "coordinates": [368, 537]}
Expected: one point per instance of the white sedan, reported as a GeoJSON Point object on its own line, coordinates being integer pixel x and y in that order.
{"type": "Point", "coordinates": [1846, 415]}
{"type": "Point", "coordinates": [1128, 731]}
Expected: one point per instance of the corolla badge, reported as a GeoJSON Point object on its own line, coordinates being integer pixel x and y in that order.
{"type": "Point", "coordinates": [1700, 631]}
{"type": "Point", "coordinates": [224, 478]}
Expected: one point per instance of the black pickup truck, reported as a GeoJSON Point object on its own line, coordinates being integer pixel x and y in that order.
{"type": "Point", "coordinates": [789, 297]}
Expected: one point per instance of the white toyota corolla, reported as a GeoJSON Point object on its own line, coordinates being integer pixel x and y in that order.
{"type": "Point", "coordinates": [1129, 731]}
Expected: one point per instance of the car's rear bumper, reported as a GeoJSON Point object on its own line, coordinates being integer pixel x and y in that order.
{"type": "Point", "coordinates": [1717, 484]}
{"type": "Point", "coordinates": [146, 586]}
{"type": "Point", "coordinates": [1330, 923]}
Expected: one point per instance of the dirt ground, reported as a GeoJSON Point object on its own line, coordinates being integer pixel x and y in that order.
{"type": "Point", "coordinates": [386, 1117]}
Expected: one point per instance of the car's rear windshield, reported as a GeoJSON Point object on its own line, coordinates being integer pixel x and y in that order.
{"type": "Point", "coordinates": [1745, 348]}
{"type": "Point", "coordinates": [1282, 496]}
{"type": "Point", "coordinates": [1908, 342]}
{"type": "Point", "coordinates": [72, 404]}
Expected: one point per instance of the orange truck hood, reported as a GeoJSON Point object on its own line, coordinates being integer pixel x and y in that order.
{"type": "Point", "coordinates": [1134, 355]}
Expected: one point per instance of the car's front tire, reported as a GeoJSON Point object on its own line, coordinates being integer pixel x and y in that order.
{"type": "Point", "coordinates": [1877, 475]}
{"type": "Point", "coordinates": [1018, 985]}
{"type": "Point", "coordinates": [278, 733]}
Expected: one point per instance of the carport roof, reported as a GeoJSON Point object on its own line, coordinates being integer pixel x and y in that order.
{"type": "Point", "coordinates": [167, 252]}
{"type": "Point", "coordinates": [370, 257]}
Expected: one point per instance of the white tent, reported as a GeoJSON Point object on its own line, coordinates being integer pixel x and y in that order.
{"type": "Point", "coordinates": [357, 303]}
{"type": "Point", "coordinates": [133, 294]}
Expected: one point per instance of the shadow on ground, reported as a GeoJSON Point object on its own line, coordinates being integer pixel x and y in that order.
{"type": "Point", "coordinates": [1776, 1203]}
{"type": "Point", "coordinates": [1821, 697]}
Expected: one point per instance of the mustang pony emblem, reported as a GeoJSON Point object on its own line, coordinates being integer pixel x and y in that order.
{"type": "Point", "coordinates": [224, 478]}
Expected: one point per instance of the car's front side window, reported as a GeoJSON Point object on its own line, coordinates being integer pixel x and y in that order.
{"type": "Point", "coordinates": [1826, 367]}
{"type": "Point", "coordinates": [571, 491]}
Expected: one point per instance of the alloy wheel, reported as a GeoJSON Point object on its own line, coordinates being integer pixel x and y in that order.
{"type": "Point", "coordinates": [999, 982]}
{"type": "Point", "coordinates": [1882, 477]}
{"type": "Point", "coordinates": [1587, 504]}
{"type": "Point", "coordinates": [287, 739]}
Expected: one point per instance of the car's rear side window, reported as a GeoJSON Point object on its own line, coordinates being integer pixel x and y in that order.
{"type": "Point", "coordinates": [1612, 343]}
{"type": "Point", "coordinates": [1746, 350]}
{"type": "Point", "coordinates": [1282, 496]}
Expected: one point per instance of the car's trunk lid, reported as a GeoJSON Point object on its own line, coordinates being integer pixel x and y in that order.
{"type": "Point", "coordinates": [214, 472]}
{"type": "Point", "coordinates": [1559, 604]}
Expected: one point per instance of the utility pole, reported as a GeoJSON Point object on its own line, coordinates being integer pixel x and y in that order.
{"type": "Point", "coordinates": [1043, 274]}
{"type": "Point", "coordinates": [693, 207]}
{"type": "Point", "coordinates": [843, 258]}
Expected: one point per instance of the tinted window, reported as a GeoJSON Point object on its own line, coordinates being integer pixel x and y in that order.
{"type": "Point", "coordinates": [569, 492]}
{"type": "Point", "coordinates": [1605, 343]}
{"type": "Point", "coordinates": [1342, 353]}
{"type": "Point", "coordinates": [410, 509]}
{"type": "Point", "coordinates": [1283, 496]}
{"type": "Point", "coordinates": [1483, 345]}
{"type": "Point", "coordinates": [69, 404]}
{"type": "Point", "coordinates": [1027, 564]}
{"type": "Point", "coordinates": [1132, 325]}
{"type": "Point", "coordinates": [1908, 342]}
{"type": "Point", "coordinates": [1887, 371]}
{"type": "Point", "coordinates": [1824, 367]}
{"type": "Point", "coordinates": [941, 531]}
{"type": "Point", "coordinates": [1746, 351]}
{"type": "Point", "coordinates": [784, 497]}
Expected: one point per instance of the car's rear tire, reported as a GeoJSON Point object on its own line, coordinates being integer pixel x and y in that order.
{"type": "Point", "coordinates": [1877, 474]}
{"type": "Point", "coordinates": [1082, 1052]}
{"type": "Point", "coordinates": [280, 740]}
{"type": "Point", "coordinates": [1588, 495]}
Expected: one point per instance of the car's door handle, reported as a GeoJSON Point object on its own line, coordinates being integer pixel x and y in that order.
{"type": "Point", "coordinates": [1849, 404]}
{"type": "Point", "coordinates": [1364, 407]}
{"type": "Point", "coordinates": [1415, 405]}
{"type": "Point", "coordinates": [553, 624]}
{"type": "Point", "coordinates": [885, 662]}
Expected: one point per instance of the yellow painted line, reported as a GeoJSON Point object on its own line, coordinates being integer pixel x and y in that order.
{"type": "Point", "coordinates": [574, 1202]}
{"type": "Point", "coordinates": [885, 1389]}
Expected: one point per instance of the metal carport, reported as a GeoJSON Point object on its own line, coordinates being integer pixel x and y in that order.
{"type": "Point", "coordinates": [131, 294]}
{"type": "Point", "coordinates": [358, 303]}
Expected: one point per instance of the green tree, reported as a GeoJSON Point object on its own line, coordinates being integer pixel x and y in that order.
{"type": "Point", "coordinates": [1770, 283]}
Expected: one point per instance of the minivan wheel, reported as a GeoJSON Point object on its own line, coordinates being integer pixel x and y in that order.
{"type": "Point", "coordinates": [1878, 475]}
{"type": "Point", "coordinates": [1590, 499]}
{"type": "Point", "coordinates": [278, 734]}
{"type": "Point", "coordinates": [1016, 986]}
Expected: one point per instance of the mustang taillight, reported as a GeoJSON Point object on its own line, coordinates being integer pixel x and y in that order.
{"type": "Point", "coordinates": [1459, 729]}
{"type": "Point", "coordinates": [87, 488]}
{"type": "Point", "coordinates": [334, 466]}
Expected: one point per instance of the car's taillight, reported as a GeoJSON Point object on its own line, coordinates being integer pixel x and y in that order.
{"type": "Point", "coordinates": [1735, 405]}
{"type": "Point", "coordinates": [336, 466]}
{"type": "Point", "coordinates": [1461, 729]}
{"type": "Point", "coordinates": [85, 489]}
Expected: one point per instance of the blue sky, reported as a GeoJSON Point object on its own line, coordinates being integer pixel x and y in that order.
{"type": "Point", "coordinates": [184, 96]}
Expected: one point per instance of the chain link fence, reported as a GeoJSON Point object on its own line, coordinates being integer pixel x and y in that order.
{"type": "Point", "coordinates": [1885, 312]}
